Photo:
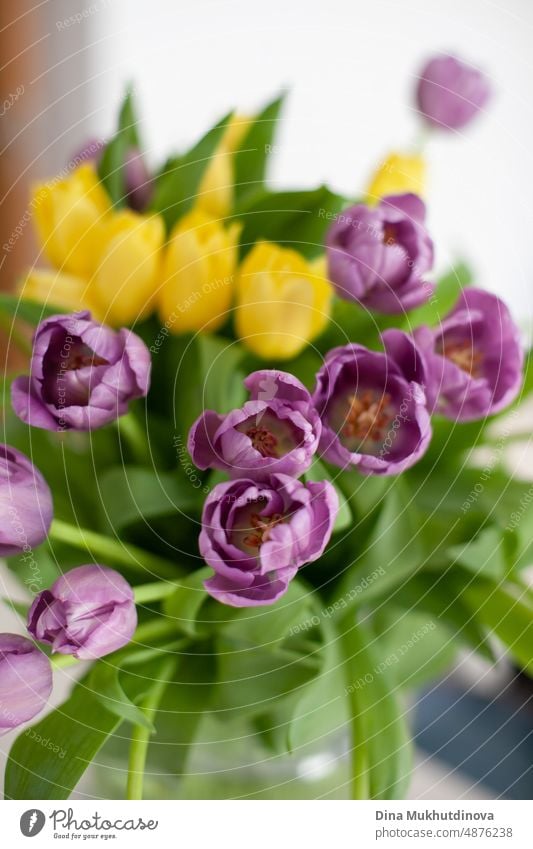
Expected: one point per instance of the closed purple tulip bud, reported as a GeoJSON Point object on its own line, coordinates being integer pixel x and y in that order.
{"type": "Point", "coordinates": [256, 535]}
{"type": "Point", "coordinates": [378, 256]}
{"type": "Point", "coordinates": [82, 376]}
{"type": "Point", "coordinates": [373, 415]}
{"type": "Point", "coordinates": [88, 612]}
{"type": "Point", "coordinates": [25, 681]}
{"type": "Point", "coordinates": [137, 179]}
{"type": "Point", "coordinates": [26, 508]}
{"type": "Point", "coordinates": [450, 93]}
{"type": "Point", "coordinates": [277, 430]}
{"type": "Point", "coordinates": [472, 361]}
{"type": "Point", "coordinates": [138, 184]}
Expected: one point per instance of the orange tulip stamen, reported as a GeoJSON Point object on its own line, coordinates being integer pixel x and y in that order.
{"type": "Point", "coordinates": [263, 441]}
{"type": "Point", "coordinates": [367, 416]}
{"type": "Point", "coordinates": [262, 529]}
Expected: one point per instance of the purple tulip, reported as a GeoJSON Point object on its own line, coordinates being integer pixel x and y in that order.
{"type": "Point", "coordinates": [472, 362]}
{"type": "Point", "coordinates": [83, 374]}
{"type": "Point", "coordinates": [138, 184]}
{"type": "Point", "coordinates": [256, 535]}
{"type": "Point", "coordinates": [450, 93]}
{"type": "Point", "coordinates": [137, 180]}
{"type": "Point", "coordinates": [25, 681]}
{"type": "Point", "coordinates": [373, 415]}
{"type": "Point", "coordinates": [277, 430]}
{"type": "Point", "coordinates": [88, 612]}
{"type": "Point", "coordinates": [25, 503]}
{"type": "Point", "coordinates": [378, 256]}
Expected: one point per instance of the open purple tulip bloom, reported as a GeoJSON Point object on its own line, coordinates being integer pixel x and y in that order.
{"type": "Point", "coordinates": [25, 681]}
{"type": "Point", "coordinates": [450, 93]}
{"type": "Point", "coordinates": [374, 416]}
{"type": "Point", "coordinates": [88, 612]}
{"type": "Point", "coordinates": [26, 508]}
{"type": "Point", "coordinates": [256, 535]}
{"type": "Point", "coordinates": [471, 363]}
{"type": "Point", "coordinates": [82, 375]}
{"type": "Point", "coordinates": [378, 256]}
{"type": "Point", "coordinates": [277, 430]}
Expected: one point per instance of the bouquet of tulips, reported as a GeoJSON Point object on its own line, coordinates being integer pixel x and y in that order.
{"type": "Point", "coordinates": [241, 485]}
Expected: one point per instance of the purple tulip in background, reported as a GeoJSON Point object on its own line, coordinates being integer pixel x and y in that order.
{"type": "Point", "coordinates": [450, 93]}
{"type": "Point", "coordinates": [88, 612]}
{"type": "Point", "coordinates": [25, 681]}
{"type": "Point", "coordinates": [256, 535]}
{"type": "Point", "coordinates": [138, 183]}
{"type": "Point", "coordinates": [472, 362]}
{"type": "Point", "coordinates": [374, 415]}
{"type": "Point", "coordinates": [82, 376]}
{"type": "Point", "coordinates": [277, 430]}
{"type": "Point", "coordinates": [378, 256]}
{"type": "Point", "coordinates": [26, 507]}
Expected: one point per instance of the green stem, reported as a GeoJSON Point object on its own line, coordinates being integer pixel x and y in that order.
{"type": "Point", "coordinates": [146, 593]}
{"type": "Point", "coordinates": [113, 551]}
{"type": "Point", "coordinates": [360, 788]}
{"type": "Point", "coordinates": [133, 434]}
{"type": "Point", "coordinates": [140, 736]}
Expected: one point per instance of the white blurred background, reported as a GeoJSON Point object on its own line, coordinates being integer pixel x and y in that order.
{"type": "Point", "coordinates": [350, 69]}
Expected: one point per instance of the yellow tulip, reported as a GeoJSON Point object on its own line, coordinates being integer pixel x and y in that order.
{"type": "Point", "coordinates": [283, 301]}
{"type": "Point", "coordinates": [397, 174]}
{"type": "Point", "coordinates": [69, 217]}
{"type": "Point", "coordinates": [198, 273]}
{"type": "Point", "coordinates": [53, 288]}
{"type": "Point", "coordinates": [129, 267]}
{"type": "Point", "coordinates": [215, 193]}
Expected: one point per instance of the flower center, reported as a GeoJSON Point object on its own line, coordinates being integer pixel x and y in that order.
{"type": "Point", "coordinates": [463, 355]}
{"type": "Point", "coordinates": [263, 441]}
{"type": "Point", "coordinates": [367, 417]}
{"type": "Point", "coordinates": [261, 529]}
{"type": "Point", "coordinates": [84, 357]}
{"type": "Point", "coordinates": [389, 234]}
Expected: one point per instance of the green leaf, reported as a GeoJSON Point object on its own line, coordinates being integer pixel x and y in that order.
{"type": "Point", "coordinates": [392, 553]}
{"type": "Point", "coordinates": [318, 472]}
{"type": "Point", "coordinates": [77, 730]}
{"type": "Point", "coordinates": [446, 292]}
{"type": "Point", "coordinates": [185, 605]}
{"type": "Point", "coordinates": [439, 596]}
{"type": "Point", "coordinates": [250, 160]}
{"type": "Point", "coordinates": [261, 658]}
{"type": "Point", "coordinates": [379, 717]}
{"type": "Point", "coordinates": [293, 219]}
{"type": "Point", "coordinates": [507, 611]}
{"type": "Point", "coordinates": [176, 186]}
{"type": "Point", "coordinates": [414, 648]}
{"type": "Point", "coordinates": [322, 708]}
{"type": "Point", "coordinates": [30, 311]}
{"type": "Point", "coordinates": [485, 555]}
{"type": "Point", "coordinates": [104, 682]}
{"type": "Point", "coordinates": [219, 361]}
{"type": "Point", "coordinates": [111, 165]}
{"type": "Point", "coordinates": [130, 494]}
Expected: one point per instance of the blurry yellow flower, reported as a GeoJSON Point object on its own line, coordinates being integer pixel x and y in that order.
{"type": "Point", "coordinates": [397, 174]}
{"type": "Point", "coordinates": [129, 267]}
{"type": "Point", "coordinates": [283, 301]}
{"type": "Point", "coordinates": [69, 216]}
{"type": "Point", "coordinates": [215, 193]}
{"type": "Point", "coordinates": [56, 289]}
{"type": "Point", "coordinates": [198, 273]}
